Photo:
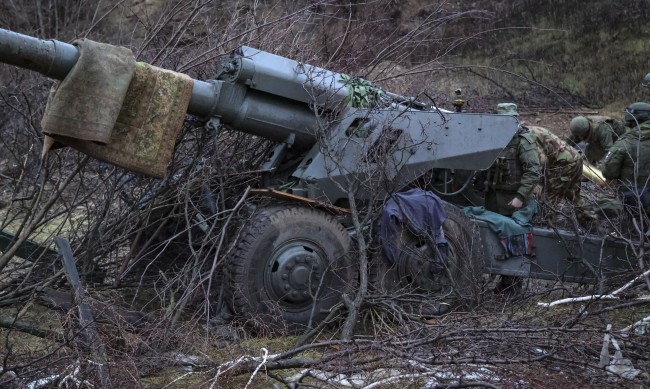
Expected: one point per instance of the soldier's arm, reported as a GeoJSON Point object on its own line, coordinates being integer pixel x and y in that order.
{"type": "Point", "coordinates": [528, 155]}
{"type": "Point", "coordinates": [611, 166]}
{"type": "Point", "coordinates": [605, 138]}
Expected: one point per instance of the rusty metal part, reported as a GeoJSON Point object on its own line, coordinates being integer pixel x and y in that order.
{"type": "Point", "coordinates": [276, 194]}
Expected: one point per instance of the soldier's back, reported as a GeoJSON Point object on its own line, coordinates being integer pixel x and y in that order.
{"type": "Point", "coordinates": [554, 148]}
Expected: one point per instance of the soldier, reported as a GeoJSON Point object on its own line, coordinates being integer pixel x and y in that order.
{"type": "Point", "coordinates": [562, 172]}
{"type": "Point", "coordinates": [598, 132]}
{"type": "Point", "coordinates": [536, 163]}
{"type": "Point", "coordinates": [628, 160]}
{"type": "Point", "coordinates": [560, 169]}
{"type": "Point", "coordinates": [510, 181]}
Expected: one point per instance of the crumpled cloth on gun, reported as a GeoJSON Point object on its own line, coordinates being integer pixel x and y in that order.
{"type": "Point", "coordinates": [515, 233]}
{"type": "Point", "coordinates": [421, 211]}
{"type": "Point", "coordinates": [86, 104]}
{"type": "Point", "coordinates": [151, 115]}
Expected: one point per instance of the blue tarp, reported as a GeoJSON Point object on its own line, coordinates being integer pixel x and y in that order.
{"type": "Point", "coordinates": [422, 211]}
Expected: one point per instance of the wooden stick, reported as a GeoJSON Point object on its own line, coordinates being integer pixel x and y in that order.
{"type": "Point", "coordinates": [86, 320]}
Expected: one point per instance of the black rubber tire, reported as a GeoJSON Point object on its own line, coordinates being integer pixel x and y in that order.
{"type": "Point", "coordinates": [462, 280]}
{"type": "Point", "coordinates": [282, 256]}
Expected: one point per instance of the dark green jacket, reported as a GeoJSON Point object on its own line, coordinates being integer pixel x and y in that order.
{"type": "Point", "coordinates": [530, 162]}
{"type": "Point", "coordinates": [630, 154]}
{"type": "Point", "coordinates": [604, 131]}
{"type": "Point", "coordinates": [497, 200]}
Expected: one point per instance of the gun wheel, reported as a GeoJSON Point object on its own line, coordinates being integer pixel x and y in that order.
{"type": "Point", "coordinates": [289, 267]}
{"type": "Point", "coordinates": [422, 269]}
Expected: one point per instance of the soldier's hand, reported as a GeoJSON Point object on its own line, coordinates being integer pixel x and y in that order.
{"type": "Point", "coordinates": [537, 191]}
{"type": "Point", "coordinates": [515, 203]}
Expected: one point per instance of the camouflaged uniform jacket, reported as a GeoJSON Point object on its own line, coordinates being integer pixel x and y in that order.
{"type": "Point", "coordinates": [530, 164]}
{"type": "Point", "coordinates": [561, 163]}
{"type": "Point", "coordinates": [553, 150]}
{"type": "Point", "coordinates": [517, 169]}
{"type": "Point", "coordinates": [629, 153]}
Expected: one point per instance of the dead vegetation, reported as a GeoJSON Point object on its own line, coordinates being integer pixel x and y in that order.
{"type": "Point", "coordinates": [150, 252]}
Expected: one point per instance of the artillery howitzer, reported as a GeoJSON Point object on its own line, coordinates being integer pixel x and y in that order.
{"type": "Point", "coordinates": [293, 259]}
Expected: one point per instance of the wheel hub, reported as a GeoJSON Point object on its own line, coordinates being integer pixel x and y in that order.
{"type": "Point", "coordinates": [294, 271]}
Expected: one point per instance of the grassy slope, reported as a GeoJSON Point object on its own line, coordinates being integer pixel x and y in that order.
{"type": "Point", "coordinates": [592, 53]}
{"type": "Point", "coordinates": [558, 53]}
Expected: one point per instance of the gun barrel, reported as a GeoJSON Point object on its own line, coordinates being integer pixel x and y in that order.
{"type": "Point", "coordinates": [55, 59]}
{"type": "Point", "coordinates": [49, 57]}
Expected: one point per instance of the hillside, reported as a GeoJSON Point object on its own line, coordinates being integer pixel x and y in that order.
{"type": "Point", "coordinates": [590, 53]}
{"type": "Point", "coordinates": [559, 53]}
